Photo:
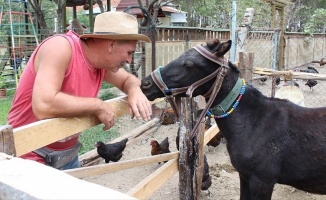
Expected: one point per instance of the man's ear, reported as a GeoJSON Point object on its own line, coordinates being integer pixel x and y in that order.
{"type": "Point", "coordinates": [110, 45]}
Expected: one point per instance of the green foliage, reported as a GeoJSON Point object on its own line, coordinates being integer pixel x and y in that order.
{"type": "Point", "coordinates": [316, 23]}
{"type": "Point", "coordinates": [5, 104]}
{"type": "Point", "coordinates": [49, 9]}
{"type": "Point", "coordinates": [106, 85]}
{"type": "Point", "coordinates": [105, 95]}
{"type": "Point", "coordinates": [3, 81]}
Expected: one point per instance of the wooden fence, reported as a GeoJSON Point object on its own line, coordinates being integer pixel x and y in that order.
{"type": "Point", "coordinates": [33, 136]}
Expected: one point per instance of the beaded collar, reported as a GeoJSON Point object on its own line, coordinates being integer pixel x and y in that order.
{"type": "Point", "coordinates": [220, 110]}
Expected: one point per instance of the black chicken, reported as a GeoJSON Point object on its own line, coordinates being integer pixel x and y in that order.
{"type": "Point", "coordinates": [263, 80]}
{"type": "Point", "coordinates": [111, 152]}
{"type": "Point", "coordinates": [310, 83]}
{"type": "Point", "coordinates": [277, 80]}
{"type": "Point", "coordinates": [309, 70]}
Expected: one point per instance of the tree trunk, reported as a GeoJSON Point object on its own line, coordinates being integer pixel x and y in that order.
{"type": "Point", "coordinates": [40, 16]}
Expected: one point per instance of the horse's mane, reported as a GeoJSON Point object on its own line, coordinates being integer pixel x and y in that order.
{"type": "Point", "coordinates": [234, 67]}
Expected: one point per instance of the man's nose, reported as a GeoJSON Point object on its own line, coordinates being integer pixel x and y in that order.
{"type": "Point", "coordinates": [129, 59]}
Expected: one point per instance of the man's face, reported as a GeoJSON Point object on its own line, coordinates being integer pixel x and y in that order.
{"type": "Point", "coordinates": [121, 53]}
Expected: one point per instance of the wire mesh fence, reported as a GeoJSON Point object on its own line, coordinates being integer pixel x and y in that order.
{"type": "Point", "coordinates": [300, 54]}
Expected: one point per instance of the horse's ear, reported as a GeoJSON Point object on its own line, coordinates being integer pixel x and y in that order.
{"type": "Point", "coordinates": [214, 42]}
{"type": "Point", "coordinates": [223, 48]}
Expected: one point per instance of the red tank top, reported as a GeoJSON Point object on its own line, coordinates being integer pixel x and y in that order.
{"type": "Point", "coordinates": [81, 79]}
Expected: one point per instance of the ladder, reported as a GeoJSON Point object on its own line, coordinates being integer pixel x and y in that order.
{"type": "Point", "coordinates": [23, 37]}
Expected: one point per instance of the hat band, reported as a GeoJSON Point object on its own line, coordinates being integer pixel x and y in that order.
{"type": "Point", "coordinates": [105, 33]}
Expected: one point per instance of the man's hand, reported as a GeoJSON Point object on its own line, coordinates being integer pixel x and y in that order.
{"type": "Point", "coordinates": [106, 116]}
{"type": "Point", "coordinates": [140, 107]}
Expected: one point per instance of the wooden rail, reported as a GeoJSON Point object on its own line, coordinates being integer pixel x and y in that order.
{"type": "Point", "coordinates": [289, 74]}
{"type": "Point", "coordinates": [30, 137]}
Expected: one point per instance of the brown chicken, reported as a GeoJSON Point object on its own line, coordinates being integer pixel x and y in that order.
{"type": "Point", "coordinates": [168, 117]}
{"type": "Point", "coordinates": [111, 152]}
{"type": "Point", "coordinates": [160, 148]}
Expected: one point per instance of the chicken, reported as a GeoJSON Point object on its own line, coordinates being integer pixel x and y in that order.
{"type": "Point", "coordinates": [111, 152]}
{"type": "Point", "coordinates": [310, 83]}
{"type": "Point", "coordinates": [216, 140]}
{"type": "Point", "coordinates": [263, 79]}
{"type": "Point", "coordinates": [168, 117]}
{"type": "Point", "coordinates": [278, 80]}
{"type": "Point", "coordinates": [160, 148]}
{"type": "Point", "coordinates": [309, 70]}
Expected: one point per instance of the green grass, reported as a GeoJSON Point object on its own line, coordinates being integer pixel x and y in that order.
{"type": "Point", "coordinates": [90, 136]}
{"type": "Point", "coordinates": [5, 104]}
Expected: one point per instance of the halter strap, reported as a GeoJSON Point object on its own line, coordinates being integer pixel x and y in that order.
{"type": "Point", "coordinates": [219, 73]}
{"type": "Point", "coordinates": [210, 56]}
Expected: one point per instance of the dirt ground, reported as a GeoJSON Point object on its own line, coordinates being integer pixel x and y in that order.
{"type": "Point", "coordinates": [225, 179]}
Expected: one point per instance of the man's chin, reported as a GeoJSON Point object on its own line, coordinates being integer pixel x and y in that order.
{"type": "Point", "coordinates": [115, 70]}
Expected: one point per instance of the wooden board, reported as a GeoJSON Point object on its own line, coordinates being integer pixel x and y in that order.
{"type": "Point", "coordinates": [41, 133]}
{"type": "Point", "coordinates": [146, 187]}
{"type": "Point", "coordinates": [121, 165]}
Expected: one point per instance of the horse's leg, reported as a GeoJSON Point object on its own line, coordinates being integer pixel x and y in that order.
{"type": "Point", "coordinates": [259, 189]}
{"type": "Point", "coordinates": [244, 188]}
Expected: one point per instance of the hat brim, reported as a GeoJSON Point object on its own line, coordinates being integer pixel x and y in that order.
{"type": "Point", "coordinates": [118, 36]}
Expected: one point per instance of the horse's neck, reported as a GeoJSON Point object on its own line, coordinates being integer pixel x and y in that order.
{"type": "Point", "coordinates": [243, 114]}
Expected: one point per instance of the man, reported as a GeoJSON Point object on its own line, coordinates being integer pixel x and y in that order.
{"type": "Point", "coordinates": [63, 78]}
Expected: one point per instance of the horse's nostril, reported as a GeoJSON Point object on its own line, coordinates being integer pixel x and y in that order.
{"type": "Point", "coordinates": [145, 84]}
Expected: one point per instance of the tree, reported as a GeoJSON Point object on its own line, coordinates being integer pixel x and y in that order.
{"type": "Point", "coordinates": [37, 7]}
{"type": "Point", "coordinates": [316, 23]}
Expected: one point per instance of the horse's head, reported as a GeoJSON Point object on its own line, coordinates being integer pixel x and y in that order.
{"type": "Point", "coordinates": [190, 67]}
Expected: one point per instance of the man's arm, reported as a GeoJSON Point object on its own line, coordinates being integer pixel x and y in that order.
{"type": "Point", "coordinates": [51, 63]}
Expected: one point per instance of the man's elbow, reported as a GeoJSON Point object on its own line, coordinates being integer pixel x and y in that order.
{"type": "Point", "coordinates": [41, 112]}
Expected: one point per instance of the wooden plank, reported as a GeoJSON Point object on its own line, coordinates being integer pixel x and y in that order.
{"type": "Point", "coordinates": [289, 74]}
{"type": "Point", "coordinates": [150, 184]}
{"type": "Point", "coordinates": [41, 133]}
{"type": "Point", "coordinates": [210, 133]}
{"type": "Point", "coordinates": [121, 165]}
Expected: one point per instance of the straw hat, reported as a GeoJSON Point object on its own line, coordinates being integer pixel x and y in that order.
{"type": "Point", "coordinates": [116, 25]}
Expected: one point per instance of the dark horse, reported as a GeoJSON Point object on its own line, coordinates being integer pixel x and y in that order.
{"type": "Point", "coordinates": [269, 140]}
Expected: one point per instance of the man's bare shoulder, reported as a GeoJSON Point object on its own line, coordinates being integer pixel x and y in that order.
{"type": "Point", "coordinates": [56, 45]}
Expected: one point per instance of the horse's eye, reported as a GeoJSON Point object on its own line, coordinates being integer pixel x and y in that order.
{"type": "Point", "coordinates": [189, 64]}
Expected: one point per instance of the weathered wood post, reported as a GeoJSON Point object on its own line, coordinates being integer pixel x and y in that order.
{"type": "Point", "coordinates": [191, 152]}
{"type": "Point", "coordinates": [246, 64]}
{"type": "Point", "coordinates": [7, 144]}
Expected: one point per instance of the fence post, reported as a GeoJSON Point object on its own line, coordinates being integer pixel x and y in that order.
{"type": "Point", "coordinates": [7, 144]}
{"type": "Point", "coordinates": [191, 153]}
